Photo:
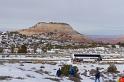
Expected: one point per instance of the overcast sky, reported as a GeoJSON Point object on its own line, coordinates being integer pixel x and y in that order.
{"type": "Point", "coordinates": [91, 17]}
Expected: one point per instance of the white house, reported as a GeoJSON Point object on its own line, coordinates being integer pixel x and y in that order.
{"type": "Point", "coordinates": [6, 50]}
{"type": "Point", "coordinates": [30, 50]}
{"type": "Point", "coordinates": [38, 50]}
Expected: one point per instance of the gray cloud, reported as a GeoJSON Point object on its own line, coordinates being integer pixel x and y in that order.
{"type": "Point", "coordinates": [86, 16]}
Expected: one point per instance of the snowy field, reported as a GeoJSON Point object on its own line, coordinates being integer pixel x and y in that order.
{"type": "Point", "coordinates": [29, 72]}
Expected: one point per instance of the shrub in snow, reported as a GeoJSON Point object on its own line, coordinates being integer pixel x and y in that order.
{"type": "Point", "coordinates": [21, 64]}
{"type": "Point", "coordinates": [112, 68]}
{"type": "Point", "coordinates": [65, 70]}
{"type": "Point", "coordinates": [42, 67]}
{"type": "Point", "coordinates": [5, 77]}
{"type": "Point", "coordinates": [92, 72]}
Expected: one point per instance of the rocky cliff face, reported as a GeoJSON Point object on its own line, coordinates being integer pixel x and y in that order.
{"type": "Point", "coordinates": [57, 31]}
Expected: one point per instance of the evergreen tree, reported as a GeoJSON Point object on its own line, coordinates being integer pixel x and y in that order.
{"type": "Point", "coordinates": [23, 49]}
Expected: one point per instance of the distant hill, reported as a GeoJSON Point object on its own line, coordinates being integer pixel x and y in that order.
{"type": "Point", "coordinates": [55, 31]}
{"type": "Point", "coordinates": [120, 39]}
{"type": "Point", "coordinates": [112, 39]}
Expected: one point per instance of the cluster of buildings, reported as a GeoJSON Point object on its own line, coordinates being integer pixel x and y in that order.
{"type": "Point", "coordinates": [10, 42]}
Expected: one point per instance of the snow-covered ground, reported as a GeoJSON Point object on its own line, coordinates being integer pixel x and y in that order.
{"type": "Point", "coordinates": [29, 72]}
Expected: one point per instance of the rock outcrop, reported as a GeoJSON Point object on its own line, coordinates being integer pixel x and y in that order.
{"type": "Point", "coordinates": [55, 31]}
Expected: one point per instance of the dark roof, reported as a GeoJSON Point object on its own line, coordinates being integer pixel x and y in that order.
{"type": "Point", "coordinates": [87, 55]}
